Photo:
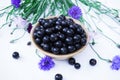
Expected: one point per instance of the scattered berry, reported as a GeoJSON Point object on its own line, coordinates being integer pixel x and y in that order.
{"type": "Point", "coordinates": [15, 55]}
{"type": "Point", "coordinates": [29, 43]}
{"type": "Point", "coordinates": [77, 66]}
{"type": "Point", "coordinates": [58, 77]}
{"type": "Point", "coordinates": [71, 61]}
{"type": "Point", "coordinates": [92, 62]}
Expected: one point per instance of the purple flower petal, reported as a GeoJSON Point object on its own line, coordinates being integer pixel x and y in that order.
{"type": "Point", "coordinates": [116, 63]}
{"type": "Point", "coordinates": [75, 12]}
{"type": "Point", "coordinates": [16, 3]}
{"type": "Point", "coordinates": [46, 63]}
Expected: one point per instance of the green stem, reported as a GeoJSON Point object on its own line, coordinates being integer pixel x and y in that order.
{"type": "Point", "coordinates": [107, 60]}
{"type": "Point", "coordinates": [6, 8]}
{"type": "Point", "coordinates": [14, 40]}
{"type": "Point", "coordinates": [36, 51]}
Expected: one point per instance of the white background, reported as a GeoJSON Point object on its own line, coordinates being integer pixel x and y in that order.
{"type": "Point", "coordinates": [26, 68]}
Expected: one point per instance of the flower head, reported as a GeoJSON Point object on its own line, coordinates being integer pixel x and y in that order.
{"type": "Point", "coordinates": [75, 12]}
{"type": "Point", "coordinates": [46, 63]}
{"type": "Point", "coordinates": [16, 3]}
{"type": "Point", "coordinates": [116, 63]}
{"type": "Point", "coordinates": [20, 22]}
{"type": "Point", "coordinates": [29, 27]}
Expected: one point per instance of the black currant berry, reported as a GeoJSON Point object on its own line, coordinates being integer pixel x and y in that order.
{"type": "Point", "coordinates": [77, 66]}
{"type": "Point", "coordinates": [92, 62]}
{"type": "Point", "coordinates": [71, 61]}
{"type": "Point", "coordinates": [15, 55]}
{"type": "Point", "coordinates": [58, 77]}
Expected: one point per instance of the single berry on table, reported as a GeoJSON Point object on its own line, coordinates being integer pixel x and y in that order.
{"type": "Point", "coordinates": [15, 55]}
{"type": "Point", "coordinates": [29, 43]}
{"type": "Point", "coordinates": [77, 66]}
{"type": "Point", "coordinates": [71, 61]}
{"type": "Point", "coordinates": [58, 77]}
{"type": "Point", "coordinates": [92, 62]}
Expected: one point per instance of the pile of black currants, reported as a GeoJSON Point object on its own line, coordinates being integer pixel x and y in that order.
{"type": "Point", "coordinates": [59, 35]}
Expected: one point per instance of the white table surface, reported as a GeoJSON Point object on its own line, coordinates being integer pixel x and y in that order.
{"type": "Point", "coordinates": [26, 68]}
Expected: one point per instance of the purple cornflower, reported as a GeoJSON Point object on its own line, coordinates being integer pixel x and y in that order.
{"type": "Point", "coordinates": [116, 63]}
{"type": "Point", "coordinates": [29, 27]}
{"type": "Point", "coordinates": [46, 63]}
{"type": "Point", "coordinates": [16, 3]}
{"type": "Point", "coordinates": [75, 12]}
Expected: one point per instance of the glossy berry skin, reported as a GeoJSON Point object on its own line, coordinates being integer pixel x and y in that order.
{"type": "Point", "coordinates": [77, 66]}
{"type": "Point", "coordinates": [58, 77]}
{"type": "Point", "coordinates": [61, 36]}
{"type": "Point", "coordinates": [71, 61]}
{"type": "Point", "coordinates": [71, 48]}
{"type": "Point", "coordinates": [63, 50]}
{"type": "Point", "coordinates": [77, 38]}
{"type": "Point", "coordinates": [53, 37]}
{"type": "Point", "coordinates": [46, 47]}
{"type": "Point", "coordinates": [69, 40]}
{"type": "Point", "coordinates": [92, 62]}
{"type": "Point", "coordinates": [78, 46]}
{"type": "Point", "coordinates": [55, 50]}
{"type": "Point", "coordinates": [15, 55]}
{"type": "Point", "coordinates": [37, 40]}
{"type": "Point", "coordinates": [58, 43]}
{"type": "Point", "coordinates": [70, 32]}
{"type": "Point", "coordinates": [46, 39]}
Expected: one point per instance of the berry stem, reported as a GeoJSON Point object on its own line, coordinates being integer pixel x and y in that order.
{"type": "Point", "coordinates": [13, 41]}
{"type": "Point", "coordinates": [36, 51]}
{"type": "Point", "coordinates": [107, 60]}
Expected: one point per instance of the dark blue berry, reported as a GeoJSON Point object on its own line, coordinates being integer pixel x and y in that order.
{"type": "Point", "coordinates": [70, 32]}
{"type": "Point", "coordinates": [69, 40]}
{"type": "Point", "coordinates": [71, 61]}
{"type": "Point", "coordinates": [46, 39]}
{"type": "Point", "coordinates": [55, 50]}
{"type": "Point", "coordinates": [46, 47]}
{"type": "Point", "coordinates": [61, 36]}
{"type": "Point", "coordinates": [42, 21]}
{"type": "Point", "coordinates": [37, 40]}
{"type": "Point", "coordinates": [15, 55]}
{"type": "Point", "coordinates": [58, 22]}
{"type": "Point", "coordinates": [63, 50]}
{"type": "Point", "coordinates": [29, 43]}
{"type": "Point", "coordinates": [77, 38]}
{"type": "Point", "coordinates": [65, 30]}
{"type": "Point", "coordinates": [53, 37]}
{"type": "Point", "coordinates": [77, 66]}
{"type": "Point", "coordinates": [58, 77]}
{"type": "Point", "coordinates": [48, 30]}
{"type": "Point", "coordinates": [58, 27]}
{"type": "Point", "coordinates": [40, 33]}
{"type": "Point", "coordinates": [72, 27]}
{"type": "Point", "coordinates": [78, 46]}
{"type": "Point", "coordinates": [71, 48]}
{"type": "Point", "coordinates": [92, 62]}
{"type": "Point", "coordinates": [62, 17]}
{"type": "Point", "coordinates": [58, 43]}
{"type": "Point", "coordinates": [83, 41]}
